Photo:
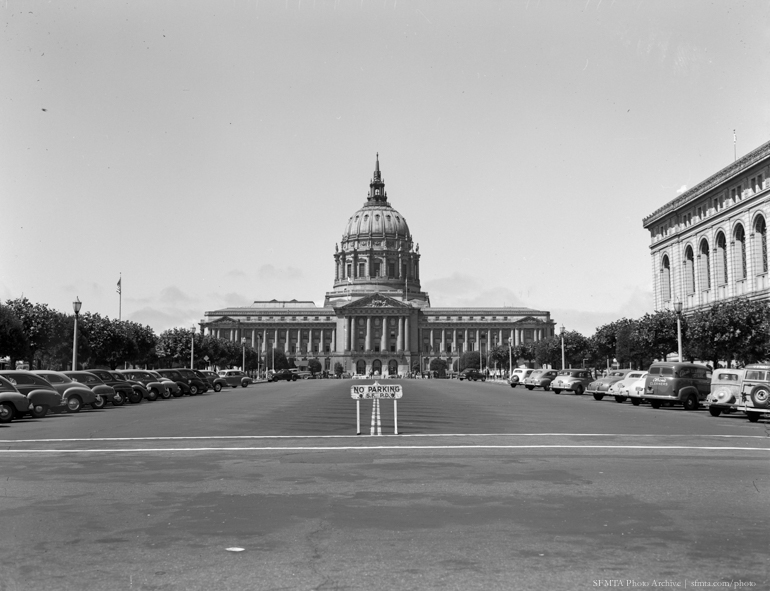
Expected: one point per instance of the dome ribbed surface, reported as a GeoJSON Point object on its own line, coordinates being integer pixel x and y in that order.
{"type": "Point", "coordinates": [376, 220]}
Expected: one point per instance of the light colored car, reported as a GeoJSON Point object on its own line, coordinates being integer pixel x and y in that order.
{"type": "Point", "coordinates": [600, 387]}
{"type": "Point", "coordinates": [621, 389]}
{"type": "Point", "coordinates": [753, 397]}
{"type": "Point", "coordinates": [725, 390]}
{"type": "Point", "coordinates": [518, 376]}
{"type": "Point", "coordinates": [574, 380]}
{"type": "Point", "coordinates": [235, 377]}
{"type": "Point", "coordinates": [540, 378]}
{"type": "Point", "coordinates": [635, 391]}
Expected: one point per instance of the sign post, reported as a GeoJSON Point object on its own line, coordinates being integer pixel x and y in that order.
{"type": "Point", "coordinates": [375, 392]}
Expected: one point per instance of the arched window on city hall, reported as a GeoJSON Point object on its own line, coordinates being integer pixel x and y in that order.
{"type": "Point", "coordinates": [760, 244]}
{"type": "Point", "coordinates": [721, 262]}
{"type": "Point", "coordinates": [739, 253]}
{"type": "Point", "coordinates": [704, 266]}
{"type": "Point", "coordinates": [689, 270]}
{"type": "Point", "coordinates": [665, 279]}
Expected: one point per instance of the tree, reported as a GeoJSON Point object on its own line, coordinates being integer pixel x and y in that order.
{"type": "Point", "coordinates": [280, 360]}
{"type": "Point", "coordinates": [470, 359]}
{"type": "Point", "coordinates": [13, 342]}
{"type": "Point", "coordinates": [548, 351]}
{"type": "Point", "coordinates": [314, 366]}
{"type": "Point", "coordinates": [499, 355]}
{"type": "Point", "coordinates": [438, 365]}
{"type": "Point", "coordinates": [37, 320]}
{"type": "Point", "coordinates": [338, 369]}
{"type": "Point", "coordinates": [657, 333]}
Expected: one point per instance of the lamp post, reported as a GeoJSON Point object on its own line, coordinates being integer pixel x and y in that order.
{"type": "Point", "coordinates": [243, 347]}
{"type": "Point", "coordinates": [563, 356]}
{"type": "Point", "coordinates": [678, 310]}
{"type": "Point", "coordinates": [259, 352]}
{"type": "Point", "coordinates": [192, 348]}
{"type": "Point", "coordinates": [75, 306]}
{"type": "Point", "coordinates": [510, 357]}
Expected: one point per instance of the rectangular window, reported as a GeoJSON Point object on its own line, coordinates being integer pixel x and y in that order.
{"type": "Point", "coordinates": [348, 270]}
{"type": "Point", "coordinates": [361, 269]}
{"type": "Point", "coordinates": [754, 184]}
{"type": "Point", "coordinates": [376, 270]}
{"type": "Point", "coordinates": [391, 270]}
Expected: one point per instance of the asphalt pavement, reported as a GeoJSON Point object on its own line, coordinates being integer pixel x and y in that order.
{"type": "Point", "coordinates": [485, 487]}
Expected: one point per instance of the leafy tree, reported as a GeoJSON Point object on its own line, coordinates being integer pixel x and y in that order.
{"type": "Point", "coordinates": [314, 366]}
{"type": "Point", "coordinates": [470, 359]}
{"type": "Point", "coordinates": [338, 369]}
{"type": "Point", "coordinates": [438, 365]}
{"type": "Point", "coordinates": [280, 360]}
{"type": "Point", "coordinates": [548, 351]}
{"type": "Point", "coordinates": [37, 320]}
{"type": "Point", "coordinates": [657, 334]}
{"type": "Point", "coordinates": [499, 355]}
{"type": "Point", "coordinates": [173, 347]}
{"type": "Point", "coordinates": [13, 342]}
{"type": "Point", "coordinates": [108, 340]}
{"type": "Point", "coordinates": [524, 351]}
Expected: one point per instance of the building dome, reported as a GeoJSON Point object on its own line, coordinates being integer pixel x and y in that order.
{"type": "Point", "coordinates": [376, 220]}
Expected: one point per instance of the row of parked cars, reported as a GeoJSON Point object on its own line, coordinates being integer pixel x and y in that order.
{"type": "Point", "coordinates": [36, 393]}
{"type": "Point", "coordinates": [690, 385]}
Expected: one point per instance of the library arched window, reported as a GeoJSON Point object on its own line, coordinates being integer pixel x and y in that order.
{"type": "Point", "coordinates": [665, 279]}
{"type": "Point", "coordinates": [704, 266]}
{"type": "Point", "coordinates": [739, 252]}
{"type": "Point", "coordinates": [760, 236]}
{"type": "Point", "coordinates": [689, 270]}
{"type": "Point", "coordinates": [721, 260]}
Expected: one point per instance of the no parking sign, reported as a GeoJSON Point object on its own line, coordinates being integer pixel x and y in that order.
{"type": "Point", "coordinates": [374, 392]}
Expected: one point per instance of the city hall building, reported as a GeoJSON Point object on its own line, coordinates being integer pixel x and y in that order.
{"type": "Point", "coordinates": [710, 244]}
{"type": "Point", "coordinates": [376, 319]}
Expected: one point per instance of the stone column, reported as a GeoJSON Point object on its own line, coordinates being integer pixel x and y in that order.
{"type": "Point", "coordinates": [443, 341]}
{"type": "Point", "coordinates": [310, 340]}
{"type": "Point", "coordinates": [400, 338]}
{"type": "Point", "coordinates": [454, 340]}
{"type": "Point", "coordinates": [465, 342]}
{"type": "Point", "coordinates": [275, 339]}
{"type": "Point", "coordinates": [384, 335]}
{"type": "Point", "coordinates": [432, 341]}
{"type": "Point", "coordinates": [500, 337]}
{"type": "Point", "coordinates": [489, 341]}
{"type": "Point", "coordinates": [253, 338]}
{"type": "Point", "coordinates": [368, 342]}
{"type": "Point", "coordinates": [478, 339]}
{"type": "Point", "coordinates": [407, 335]}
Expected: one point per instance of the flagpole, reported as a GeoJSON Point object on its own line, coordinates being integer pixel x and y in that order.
{"type": "Point", "coordinates": [120, 297]}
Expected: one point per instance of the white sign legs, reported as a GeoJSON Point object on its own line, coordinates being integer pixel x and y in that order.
{"type": "Point", "coordinates": [375, 392]}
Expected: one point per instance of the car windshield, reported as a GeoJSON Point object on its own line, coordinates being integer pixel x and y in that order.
{"type": "Point", "coordinates": [565, 372]}
{"type": "Point", "coordinates": [729, 377]}
{"type": "Point", "coordinates": [617, 374]}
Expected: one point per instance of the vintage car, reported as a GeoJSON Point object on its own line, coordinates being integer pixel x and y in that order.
{"type": "Point", "coordinates": [471, 374]}
{"type": "Point", "coordinates": [674, 383]}
{"type": "Point", "coordinates": [212, 378]}
{"type": "Point", "coordinates": [540, 378]}
{"type": "Point", "coordinates": [236, 377]}
{"type": "Point", "coordinates": [622, 389]}
{"type": "Point", "coordinates": [726, 387]}
{"type": "Point", "coordinates": [518, 375]}
{"type": "Point", "coordinates": [600, 387]}
{"type": "Point", "coordinates": [75, 394]}
{"type": "Point", "coordinates": [12, 402]}
{"type": "Point", "coordinates": [122, 386]}
{"type": "Point", "coordinates": [42, 396]}
{"type": "Point", "coordinates": [283, 374]}
{"type": "Point", "coordinates": [193, 379]}
{"type": "Point", "coordinates": [752, 395]}
{"type": "Point", "coordinates": [574, 380]}
{"type": "Point", "coordinates": [180, 381]}
{"type": "Point", "coordinates": [156, 388]}
{"type": "Point", "coordinates": [89, 380]}
{"type": "Point", "coordinates": [172, 387]}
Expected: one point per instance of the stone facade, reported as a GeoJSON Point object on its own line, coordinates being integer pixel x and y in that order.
{"type": "Point", "coordinates": [710, 244]}
{"type": "Point", "coordinates": [376, 319]}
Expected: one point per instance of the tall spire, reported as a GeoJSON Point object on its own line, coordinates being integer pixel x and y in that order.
{"type": "Point", "coordinates": [377, 186]}
{"type": "Point", "coordinates": [377, 168]}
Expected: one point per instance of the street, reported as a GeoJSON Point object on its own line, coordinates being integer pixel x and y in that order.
{"type": "Point", "coordinates": [485, 487]}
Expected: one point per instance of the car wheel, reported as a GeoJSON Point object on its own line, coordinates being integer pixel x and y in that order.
{"type": "Point", "coordinates": [483, 379]}
{"type": "Point", "coordinates": [74, 404]}
{"type": "Point", "coordinates": [655, 403]}
{"type": "Point", "coordinates": [99, 403]}
{"type": "Point", "coordinates": [513, 384]}
{"type": "Point", "coordinates": [244, 383]}
{"type": "Point", "coordinates": [636, 401]}
{"type": "Point", "coordinates": [556, 391]}
{"type": "Point", "coordinates": [38, 411]}
{"type": "Point", "coordinates": [579, 390]}
{"type": "Point", "coordinates": [760, 396]}
{"type": "Point", "coordinates": [179, 393]}
{"type": "Point", "coordinates": [152, 395]}
{"type": "Point", "coordinates": [193, 390]}
{"type": "Point", "coordinates": [6, 413]}
{"type": "Point", "coordinates": [118, 399]}
{"type": "Point", "coordinates": [217, 387]}
{"type": "Point", "coordinates": [135, 397]}
{"type": "Point", "coordinates": [165, 394]}
{"type": "Point", "coordinates": [546, 388]}
{"type": "Point", "coordinates": [620, 399]}
{"type": "Point", "coordinates": [715, 412]}
{"type": "Point", "coordinates": [691, 402]}
{"type": "Point", "coordinates": [598, 396]}
{"type": "Point", "coordinates": [293, 378]}
{"type": "Point", "coordinates": [530, 387]}
{"type": "Point", "coordinates": [752, 416]}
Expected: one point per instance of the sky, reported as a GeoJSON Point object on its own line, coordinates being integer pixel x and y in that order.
{"type": "Point", "coordinates": [209, 154]}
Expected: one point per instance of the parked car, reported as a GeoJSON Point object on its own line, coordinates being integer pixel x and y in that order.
{"type": "Point", "coordinates": [726, 387]}
{"type": "Point", "coordinates": [540, 378]}
{"type": "Point", "coordinates": [518, 375]}
{"type": "Point", "coordinates": [677, 383]}
{"type": "Point", "coordinates": [212, 378]}
{"type": "Point", "coordinates": [236, 378]}
{"type": "Point", "coordinates": [600, 387]}
{"type": "Point", "coordinates": [41, 395]}
{"type": "Point", "coordinates": [754, 394]}
{"type": "Point", "coordinates": [622, 389]}
{"type": "Point", "coordinates": [171, 385]}
{"type": "Point", "coordinates": [635, 390]}
{"type": "Point", "coordinates": [156, 387]}
{"type": "Point", "coordinates": [574, 380]}
{"type": "Point", "coordinates": [179, 380]}
{"type": "Point", "coordinates": [89, 380]}
{"type": "Point", "coordinates": [471, 374]}
{"type": "Point", "coordinates": [193, 379]}
{"type": "Point", "coordinates": [283, 374]}
{"type": "Point", "coordinates": [12, 402]}
{"type": "Point", "coordinates": [68, 388]}
{"type": "Point", "coordinates": [129, 391]}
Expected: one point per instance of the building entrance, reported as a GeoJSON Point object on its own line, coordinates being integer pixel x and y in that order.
{"type": "Point", "coordinates": [377, 367]}
{"type": "Point", "coordinates": [392, 367]}
{"type": "Point", "coordinates": [361, 367]}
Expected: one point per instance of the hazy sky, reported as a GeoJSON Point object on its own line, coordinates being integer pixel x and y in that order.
{"type": "Point", "coordinates": [212, 152]}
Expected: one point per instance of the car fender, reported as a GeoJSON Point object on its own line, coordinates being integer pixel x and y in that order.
{"type": "Point", "coordinates": [687, 390]}
{"type": "Point", "coordinates": [141, 390]}
{"type": "Point", "coordinates": [18, 400]}
{"type": "Point", "coordinates": [44, 397]}
{"type": "Point", "coordinates": [86, 395]}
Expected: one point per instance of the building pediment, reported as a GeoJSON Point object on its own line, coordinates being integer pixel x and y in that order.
{"type": "Point", "coordinates": [374, 301]}
{"type": "Point", "coordinates": [529, 320]}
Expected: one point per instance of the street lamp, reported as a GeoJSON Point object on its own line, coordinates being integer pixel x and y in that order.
{"type": "Point", "coordinates": [563, 357]}
{"type": "Point", "coordinates": [678, 310]}
{"type": "Point", "coordinates": [192, 348]}
{"type": "Point", "coordinates": [75, 306]}
{"type": "Point", "coordinates": [243, 346]}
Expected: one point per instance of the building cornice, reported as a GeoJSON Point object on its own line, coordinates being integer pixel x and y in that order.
{"type": "Point", "coordinates": [710, 183]}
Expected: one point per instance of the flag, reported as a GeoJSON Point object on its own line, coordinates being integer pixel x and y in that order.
{"type": "Point", "coordinates": [119, 285]}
